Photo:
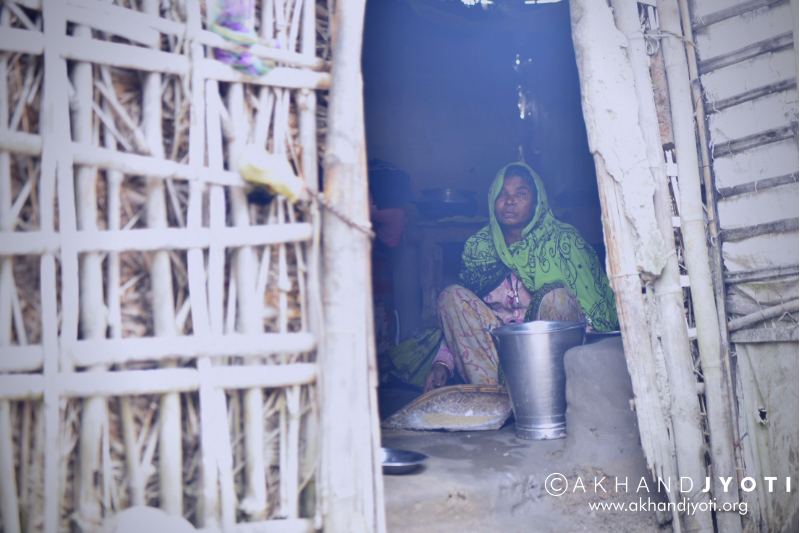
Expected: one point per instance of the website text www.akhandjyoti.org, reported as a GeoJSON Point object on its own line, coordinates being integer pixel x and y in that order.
{"type": "Point", "coordinates": [687, 507]}
{"type": "Point", "coordinates": [687, 499]}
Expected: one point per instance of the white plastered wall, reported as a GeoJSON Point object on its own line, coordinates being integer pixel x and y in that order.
{"type": "Point", "coordinates": [767, 372]}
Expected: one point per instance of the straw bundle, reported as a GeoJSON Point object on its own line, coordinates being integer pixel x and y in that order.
{"type": "Point", "coordinates": [143, 82]}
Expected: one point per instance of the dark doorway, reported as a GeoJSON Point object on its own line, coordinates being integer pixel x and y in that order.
{"type": "Point", "coordinates": [453, 92]}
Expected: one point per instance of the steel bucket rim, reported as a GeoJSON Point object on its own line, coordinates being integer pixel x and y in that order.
{"type": "Point", "coordinates": [540, 327]}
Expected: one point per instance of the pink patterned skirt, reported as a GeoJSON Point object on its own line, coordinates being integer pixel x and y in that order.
{"type": "Point", "coordinates": [466, 319]}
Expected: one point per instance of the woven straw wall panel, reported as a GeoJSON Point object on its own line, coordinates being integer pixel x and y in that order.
{"type": "Point", "coordinates": [158, 317]}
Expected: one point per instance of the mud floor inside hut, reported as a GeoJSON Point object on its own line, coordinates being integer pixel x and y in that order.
{"type": "Point", "coordinates": [489, 481]}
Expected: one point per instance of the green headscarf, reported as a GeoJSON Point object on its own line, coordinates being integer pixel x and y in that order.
{"type": "Point", "coordinates": [550, 255]}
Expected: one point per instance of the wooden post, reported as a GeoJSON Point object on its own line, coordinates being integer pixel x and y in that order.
{"type": "Point", "coordinates": [350, 469]}
{"type": "Point", "coordinates": [673, 338]}
{"type": "Point", "coordinates": [627, 288]}
{"type": "Point", "coordinates": [603, 64]}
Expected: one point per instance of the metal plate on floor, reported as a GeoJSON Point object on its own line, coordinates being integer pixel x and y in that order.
{"type": "Point", "coordinates": [401, 461]}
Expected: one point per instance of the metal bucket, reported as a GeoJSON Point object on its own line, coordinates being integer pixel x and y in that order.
{"type": "Point", "coordinates": [532, 359]}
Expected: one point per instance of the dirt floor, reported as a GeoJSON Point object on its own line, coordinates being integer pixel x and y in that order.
{"type": "Point", "coordinates": [489, 481]}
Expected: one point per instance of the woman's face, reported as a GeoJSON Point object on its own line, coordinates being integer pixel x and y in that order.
{"type": "Point", "coordinates": [515, 205]}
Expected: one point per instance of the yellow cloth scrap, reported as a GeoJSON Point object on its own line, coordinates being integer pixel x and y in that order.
{"type": "Point", "coordinates": [256, 165]}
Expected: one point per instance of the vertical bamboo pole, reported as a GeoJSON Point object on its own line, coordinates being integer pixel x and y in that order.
{"type": "Point", "coordinates": [795, 23]}
{"type": "Point", "coordinates": [106, 464]}
{"type": "Point", "coordinates": [136, 479]}
{"type": "Point", "coordinates": [216, 273]}
{"type": "Point", "coordinates": [210, 424]}
{"type": "Point", "coordinates": [280, 22]}
{"type": "Point", "coordinates": [267, 20]}
{"type": "Point", "coordinates": [697, 262]}
{"type": "Point", "coordinates": [307, 104]}
{"type": "Point", "coordinates": [6, 200]}
{"type": "Point", "coordinates": [293, 394]}
{"type": "Point", "coordinates": [350, 469]}
{"type": "Point", "coordinates": [713, 227]}
{"type": "Point", "coordinates": [249, 315]}
{"type": "Point", "coordinates": [266, 94]}
{"type": "Point", "coordinates": [292, 475]}
{"type": "Point", "coordinates": [51, 499]}
{"type": "Point", "coordinates": [230, 309]}
{"type": "Point", "coordinates": [9, 506]}
{"type": "Point", "coordinates": [283, 323]}
{"type": "Point", "coordinates": [216, 253]}
{"type": "Point", "coordinates": [67, 226]}
{"type": "Point", "coordinates": [308, 32]}
{"type": "Point", "coordinates": [307, 122]}
{"type": "Point", "coordinates": [37, 470]}
{"type": "Point", "coordinates": [210, 420]}
{"type": "Point", "coordinates": [114, 178]}
{"type": "Point", "coordinates": [92, 303]}
{"type": "Point", "coordinates": [25, 456]}
{"type": "Point", "coordinates": [685, 409]}
{"type": "Point", "coordinates": [283, 455]}
{"type": "Point", "coordinates": [248, 319]}
{"type": "Point", "coordinates": [294, 28]}
{"type": "Point", "coordinates": [170, 462]}
{"type": "Point", "coordinates": [279, 130]}
{"type": "Point", "coordinates": [302, 270]}
{"type": "Point", "coordinates": [54, 118]}
{"type": "Point", "coordinates": [289, 419]}
{"type": "Point", "coordinates": [57, 140]}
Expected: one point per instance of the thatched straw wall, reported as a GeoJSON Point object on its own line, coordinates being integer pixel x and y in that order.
{"type": "Point", "coordinates": [154, 350]}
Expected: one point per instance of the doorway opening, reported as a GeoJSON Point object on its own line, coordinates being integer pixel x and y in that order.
{"type": "Point", "coordinates": [453, 92]}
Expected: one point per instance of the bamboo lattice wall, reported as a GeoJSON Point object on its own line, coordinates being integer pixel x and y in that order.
{"type": "Point", "coordinates": [157, 329]}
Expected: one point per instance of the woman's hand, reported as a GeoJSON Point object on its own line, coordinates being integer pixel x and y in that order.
{"type": "Point", "coordinates": [437, 378]}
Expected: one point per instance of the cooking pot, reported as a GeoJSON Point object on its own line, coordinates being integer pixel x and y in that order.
{"type": "Point", "coordinates": [442, 203]}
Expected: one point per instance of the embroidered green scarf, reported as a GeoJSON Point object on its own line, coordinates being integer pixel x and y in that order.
{"type": "Point", "coordinates": [550, 255]}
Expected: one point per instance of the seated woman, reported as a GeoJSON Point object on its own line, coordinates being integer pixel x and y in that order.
{"type": "Point", "coordinates": [524, 265]}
